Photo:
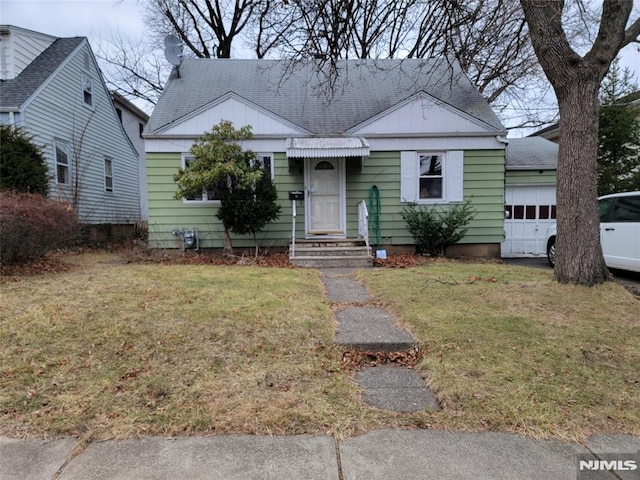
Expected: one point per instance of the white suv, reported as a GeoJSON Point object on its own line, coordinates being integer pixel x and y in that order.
{"type": "Point", "coordinates": [619, 231]}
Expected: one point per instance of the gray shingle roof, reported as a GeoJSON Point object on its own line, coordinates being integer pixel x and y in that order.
{"type": "Point", "coordinates": [14, 92]}
{"type": "Point", "coordinates": [301, 95]}
{"type": "Point", "coordinates": [531, 152]}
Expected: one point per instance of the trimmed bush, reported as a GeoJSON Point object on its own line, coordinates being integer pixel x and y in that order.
{"type": "Point", "coordinates": [22, 166]}
{"type": "Point", "coordinates": [435, 228]}
{"type": "Point", "coordinates": [31, 225]}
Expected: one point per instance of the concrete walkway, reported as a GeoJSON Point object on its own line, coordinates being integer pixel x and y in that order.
{"type": "Point", "coordinates": [381, 454]}
{"type": "Point", "coordinates": [371, 329]}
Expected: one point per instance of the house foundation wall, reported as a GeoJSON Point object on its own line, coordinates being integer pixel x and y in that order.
{"type": "Point", "coordinates": [480, 250]}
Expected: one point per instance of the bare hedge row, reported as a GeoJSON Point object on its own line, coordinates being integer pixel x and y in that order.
{"type": "Point", "coordinates": [31, 225]}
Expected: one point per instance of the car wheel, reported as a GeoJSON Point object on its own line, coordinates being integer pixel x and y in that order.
{"type": "Point", "coordinates": [551, 251]}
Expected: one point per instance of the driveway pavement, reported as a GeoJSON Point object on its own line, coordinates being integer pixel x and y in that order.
{"type": "Point", "coordinates": [630, 280]}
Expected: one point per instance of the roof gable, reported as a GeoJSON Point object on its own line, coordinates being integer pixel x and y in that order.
{"type": "Point", "coordinates": [303, 95]}
{"type": "Point", "coordinates": [422, 114]}
{"type": "Point", "coordinates": [238, 111]}
{"type": "Point", "coordinates": [14, 93]}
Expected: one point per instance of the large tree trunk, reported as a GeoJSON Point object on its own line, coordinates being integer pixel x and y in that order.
{"type": "Point", "coordinates": [578, 252]}
{"type": "Point", "coordinates": [576, 81]}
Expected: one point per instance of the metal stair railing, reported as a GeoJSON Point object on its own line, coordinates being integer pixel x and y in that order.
{"type": "Point", "coordinates": [363, 224]}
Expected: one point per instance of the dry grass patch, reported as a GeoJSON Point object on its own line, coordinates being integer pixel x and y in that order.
{"type": "Point", "coordinates": [507, 348]}
{"type": "Point", "coordinates": [107, 349]}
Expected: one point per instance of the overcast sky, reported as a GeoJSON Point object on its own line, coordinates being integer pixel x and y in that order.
{"type": "Point", "coordinates": [94, 19]}
{"type": "Point", "coordinates": [99, 20]}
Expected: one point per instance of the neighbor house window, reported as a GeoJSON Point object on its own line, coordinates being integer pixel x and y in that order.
{"type": "Point", "coordinates": [87, 91]}
{"type": "Point", "coordinates": [108, 175]}
{"type": "Point", "coordinates": [207, 195]}
{"type": "Point", "coordinates": [63, 165]}
{"type": "Point", "coordinates": [431, 177]}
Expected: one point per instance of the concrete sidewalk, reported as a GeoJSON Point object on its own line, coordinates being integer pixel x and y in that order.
{"type": "Point", "coordinates": [381, 454]}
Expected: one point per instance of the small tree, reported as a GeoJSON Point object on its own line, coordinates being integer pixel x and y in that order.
{"type": "Point", "coordinates": [619, 133]}
{"type": "Point", "coordinates": [247, 210]}
{"type": "Point", "coordinates": [434, 228]}
{"type": "Point", "coordinates": [221, 166]}
{"type": "Point", "coordinates": [22, 167]}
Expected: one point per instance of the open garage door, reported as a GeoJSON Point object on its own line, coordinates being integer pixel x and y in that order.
{"type": "Point", "coordinates": [530, 211]}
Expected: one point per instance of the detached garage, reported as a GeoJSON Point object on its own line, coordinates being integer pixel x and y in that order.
{"type": "Point", "coordinates": [530, 196]}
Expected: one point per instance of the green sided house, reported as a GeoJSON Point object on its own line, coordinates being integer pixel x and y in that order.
{"type": "Point", "coordinates": [380, 134]}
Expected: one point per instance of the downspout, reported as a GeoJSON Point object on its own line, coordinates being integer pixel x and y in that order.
{"type": "Point", "coordinates": [503, 139]}
{"type": "Point", "coordinates": [12, 119]}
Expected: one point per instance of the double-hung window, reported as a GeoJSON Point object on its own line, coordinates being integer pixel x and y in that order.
{"type": "Point", "coordinates": [431, 186]}
{"type": "Point", "coordinates": [206, 195]}
{"type": "Point", "coordinates": [87, 91]}
{"type": "Point", "coordinates": [108, 175]}
{"type": "Point", "coordinates": [431, 177]}
{"type": "Point", "coordinates": [62, 158]}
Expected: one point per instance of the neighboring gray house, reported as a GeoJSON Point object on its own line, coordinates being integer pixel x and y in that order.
{"type": "Point", "coordinates": [530, 195]}
{"type": "Point", "coordinates": [134, 120]}
{"type": "Point", "coordinates": [53, 88]}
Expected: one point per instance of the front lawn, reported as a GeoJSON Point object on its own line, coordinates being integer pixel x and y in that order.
{"type": "Point", "coordinates": [507, 348]}
{"type": "Point", "coordinates": [108, 349]}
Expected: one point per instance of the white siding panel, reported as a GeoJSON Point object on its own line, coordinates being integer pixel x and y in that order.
{"type": "Point", "coordinates": [239, 113]}
{"type": "Point", "coordinates": [435, 143]}
{"type": "Point", "coordinates": [421, 115]}
{"type": "Point", "coordinates": [182, 145]}
{"type": "Point", "coordinates": [58, 112]}
{"type": "Point", "coordinates": [19, 48]}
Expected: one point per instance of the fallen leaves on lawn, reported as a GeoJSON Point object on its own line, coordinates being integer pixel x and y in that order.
{"type": "Point", "coordinates": [401, 260]}
{"type": "Point", "coordinates": [354, 359]}
{"type": "Point", "coordinates": [51, 262]}
{"type": "Point", "coordinates": [474, 279]}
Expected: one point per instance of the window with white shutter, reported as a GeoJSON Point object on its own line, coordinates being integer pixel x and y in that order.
{"type": "Point", "coordinates": [431, 177]}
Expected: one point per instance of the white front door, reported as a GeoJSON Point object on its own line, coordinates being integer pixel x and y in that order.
{"type": "Point", "coordinates": [325, 212]}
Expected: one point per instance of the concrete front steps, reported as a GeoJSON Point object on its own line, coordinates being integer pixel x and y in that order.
{"type": "Point", "coordinates": [330, 253]}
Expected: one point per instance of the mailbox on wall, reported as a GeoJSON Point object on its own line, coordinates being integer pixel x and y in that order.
{"type": "Point", "coordinates": [296, 195]}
